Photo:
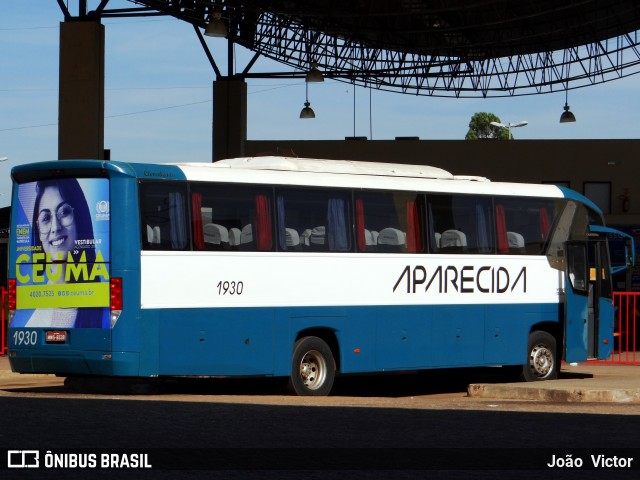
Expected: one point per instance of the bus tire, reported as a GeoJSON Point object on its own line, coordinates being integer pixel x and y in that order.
{"type": "Point", "coordinates": [313, 368]}
{"type": "Point", "coordinates": [542, 358]}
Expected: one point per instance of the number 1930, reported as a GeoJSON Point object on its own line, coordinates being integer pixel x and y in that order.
{"type": "Point", "coordinates": [230, 288]}
{"type": "Point", "coordinates": [25, 337]}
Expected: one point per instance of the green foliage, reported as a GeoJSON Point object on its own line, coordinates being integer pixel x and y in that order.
{"type": "Point", "coordinates": [480, 128]}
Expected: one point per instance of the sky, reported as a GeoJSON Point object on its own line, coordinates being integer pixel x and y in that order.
{"type": "Point", "coordinates": [158, 92]}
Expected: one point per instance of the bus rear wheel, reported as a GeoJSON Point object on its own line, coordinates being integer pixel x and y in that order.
{"type": "Point", "coordinates": [313, 368]}
{"type": "Point", "coordinates": [542, 360]}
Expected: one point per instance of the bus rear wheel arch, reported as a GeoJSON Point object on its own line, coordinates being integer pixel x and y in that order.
{"type": "Point", "coordinates": [542, 357]}
{"type": "Point", "coordinates": [313, 368]}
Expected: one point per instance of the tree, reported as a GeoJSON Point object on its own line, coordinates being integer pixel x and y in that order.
{"type": "Point", "coordinates": [480, 128]}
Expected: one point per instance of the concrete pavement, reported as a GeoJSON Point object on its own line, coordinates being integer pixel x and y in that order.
{"type": "Point", "coordinates": [586, 382]}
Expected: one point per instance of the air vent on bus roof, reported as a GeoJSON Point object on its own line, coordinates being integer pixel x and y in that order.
{"type": "Point", "coordinates": [471, 178]}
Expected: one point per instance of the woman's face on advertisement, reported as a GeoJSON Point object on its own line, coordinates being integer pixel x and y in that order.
{"type": "Point", "coordinates": [56, 224]}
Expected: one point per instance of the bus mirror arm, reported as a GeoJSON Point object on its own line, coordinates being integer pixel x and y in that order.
{"type": "Point", "coordinates": [630, 252]}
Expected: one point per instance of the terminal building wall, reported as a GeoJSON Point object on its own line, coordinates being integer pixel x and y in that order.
{"type": "Point", "coordinates": [583, 165]}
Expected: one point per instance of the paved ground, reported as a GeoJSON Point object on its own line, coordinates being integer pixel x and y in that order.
{"type": "Point", "coordinates": [379, 425]}
{"type": "Point", "coordinates": [589, 382]}
{"type": "Point", "coordinates": [585, 387]}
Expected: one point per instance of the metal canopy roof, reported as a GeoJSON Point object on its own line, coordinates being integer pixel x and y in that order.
{"type": "Point", "coordinates": [428, 47]}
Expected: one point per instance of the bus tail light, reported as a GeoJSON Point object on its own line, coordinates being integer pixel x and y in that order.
{"type": "Point", "coordinates": [12, 299]}
{"type": "Point", "coordinates": [116, 294]}
{"type": "Point", "coordinates": [12, 293]}
{"type": "Point", "coordinates": [116, 300]}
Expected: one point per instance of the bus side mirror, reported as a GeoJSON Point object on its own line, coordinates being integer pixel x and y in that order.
{"type": "Point", "coordinates": [629, 259]}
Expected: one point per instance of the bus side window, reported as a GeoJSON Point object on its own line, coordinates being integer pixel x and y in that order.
{"type": "Point", "coordinates": [464, 224]}
{"type": "Point", "coordinates": [523, 225]}
{"type": "Point", "coordinates": [313, 220]}
{"type": "Point", "coordinates": [163, 216]}
{"type": "Point", "coordinates": [389, 222]}
{"type": "Point", "coordinates": [231, 217]}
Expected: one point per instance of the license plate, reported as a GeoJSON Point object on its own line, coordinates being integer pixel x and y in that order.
{"type": "Point", "coordinates": [56, 337]}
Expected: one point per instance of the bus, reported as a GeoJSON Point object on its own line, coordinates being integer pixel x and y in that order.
{"type": "Point", "coordinates": [299, 268]}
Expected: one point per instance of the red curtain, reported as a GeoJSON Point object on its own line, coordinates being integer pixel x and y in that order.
{"type": "Point", "coordinates": [414, 240]}
{"type": "Point", "coordinates": [263, 223]}
{"type": "Point", "coordinates": [362, 241]}
{"type": "Point", "coordinates": [545, 226]}
{"type": "Point", "coordinates": [501, 227]}
{"type": "Point", "coordinates": [196, 220]}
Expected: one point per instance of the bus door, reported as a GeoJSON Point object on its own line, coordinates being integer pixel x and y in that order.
{"type": "Point", "coordinates": [587, 299]}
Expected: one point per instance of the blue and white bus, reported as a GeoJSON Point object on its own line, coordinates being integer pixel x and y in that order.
{"type": "Point", "coordinates": [299, 268]}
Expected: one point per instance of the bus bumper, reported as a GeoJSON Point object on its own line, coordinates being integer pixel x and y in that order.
{"type": "Point", "coordinates": [75, 363]}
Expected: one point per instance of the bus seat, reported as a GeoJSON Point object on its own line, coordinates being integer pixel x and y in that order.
{"type": "Point", "coordinates": [369, 241]}
{"type": "Point", "coordinates": [317, 236]}
{"type": "Point", "coordinates": [374, 236]}
{"type": "Point", "coordinates": [215, 234]}
{"type": "Point", "coordinates": [437, 238]}
{"type": "Point", "coordinates": [153, 235]}
{"type": "Point", "coordinates": [246, 235]}
{"type": "Point", "coordinates": [453, 238]}
{"type": "Point", "coordinates": [391, 240]}
{"type": "Point", "coordinates": [313, 238]}
{"type": "Point", "coordinates": [234, 237]}
{"type": "Point", "coordinates": [292, 237]}
{"type": "Point", "coordinates": [515, 240]}
{"type": "Point", "coordinates": [304, 237]}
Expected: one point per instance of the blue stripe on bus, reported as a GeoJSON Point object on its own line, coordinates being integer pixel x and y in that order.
{"type": "Point", "coordinates": [113, 168]}
{"type": "Point", "coordinates": [573, 195]}
{"type": "Point", "coordinates": [411, 337]}
{"type": "Point", "coordinates": [157, 172]}
{"type": "Point", "coordinates": [259, 341]}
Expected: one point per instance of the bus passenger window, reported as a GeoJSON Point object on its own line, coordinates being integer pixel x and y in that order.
{"type": "Point", "coordinates": [523, 225]}
{"type": "Point", "coordinates": [389, 222]}
{"type": "Point", "coordinates": [460, 224]}
{"type": "Point", "coordinates": [163, 216]}
{"type": "Point", "coordinates": [231, 217]}
{"type": "Point", "coordinates": [313, 220]}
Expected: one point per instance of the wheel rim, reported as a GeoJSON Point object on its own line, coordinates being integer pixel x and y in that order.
{"type": "Point", "coordinates": [313, 369]}
{"type": "Point", "coordinates": [541, 361]}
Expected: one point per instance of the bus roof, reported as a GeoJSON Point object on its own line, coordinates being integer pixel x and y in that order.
{"type": "Point", "coordinates": [273, 170]}
{"type": "Point", "coordinates": [348, 167]}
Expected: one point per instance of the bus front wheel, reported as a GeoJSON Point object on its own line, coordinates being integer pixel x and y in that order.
{"type": "Point", "coordinates": [542, 360]}
{"type": "Point", "coordinates": [313, 368]}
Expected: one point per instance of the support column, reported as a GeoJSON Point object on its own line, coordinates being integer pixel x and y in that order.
{"type": "Point", "coordinates": [81, 97]}
{"type": "Point", "coordinates": [229, 118]}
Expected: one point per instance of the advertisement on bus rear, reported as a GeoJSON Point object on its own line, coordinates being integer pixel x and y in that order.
{"type": "Point", "coordinates": [62, 253]}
